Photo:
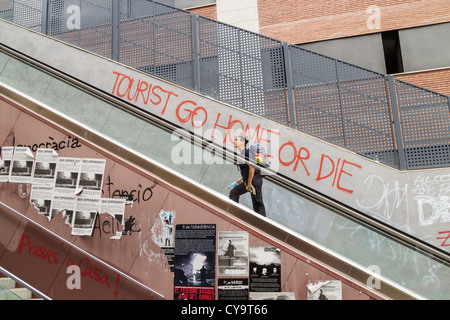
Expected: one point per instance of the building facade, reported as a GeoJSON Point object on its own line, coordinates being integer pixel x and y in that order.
{"type": "Point", "coordinates": [407, 38]}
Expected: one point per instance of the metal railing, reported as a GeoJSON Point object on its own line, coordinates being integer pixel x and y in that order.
{"type": "Point", "coordinates": [373, 114]}
{"type": "Point", "coordinates": [23, 284]}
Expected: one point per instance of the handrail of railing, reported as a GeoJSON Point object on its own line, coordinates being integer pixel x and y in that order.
{"type": "Point", "coordinates": [24, 284]}
{"type": "Point", "coordinates": [51, 233]}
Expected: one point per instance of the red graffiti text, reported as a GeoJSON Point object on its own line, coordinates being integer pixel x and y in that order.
{"type": "Point", "coordinates": [38, 251]}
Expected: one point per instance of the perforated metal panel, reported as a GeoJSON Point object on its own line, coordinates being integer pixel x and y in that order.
{"type": "Point", "coordinates": [342, 104]}
{"type": "Point", "coordinates": [28, 13]}
{"type": "Point", "coordinates": [243, 69]}
{"type": "Point", "coordinates": [426, 126]}
{"type": "Point", "coordinates": [157, 39]}
{"type": "Point", "coordinates": [316, 95]}
{"type": "Point", "coordinates": [366, 112]}
{"type": "Point", "coordinates": [94, 30]}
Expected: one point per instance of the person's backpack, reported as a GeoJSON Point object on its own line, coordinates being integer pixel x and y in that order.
{"type": "Point", "coordinates": [259, 155]}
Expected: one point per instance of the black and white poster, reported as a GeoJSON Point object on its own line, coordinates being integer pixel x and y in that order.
{"type": "Point", "coordinates": [324, 290]}
{"type": "Point", "coordinates": [195, 262]}
{"type": "Point", "coordinates": [22, 165]}
{"type": "Point", "coordinates": [6, 156]}
{"type": "Point", "coordinates": [67, 175]}
{"type": "Point", "coordinates": [265, 269]}
{"type": "Point", "coordinates": [83, 220]}
{"type": "Point", "coordinates": [232, 289]}
{"type": "Point", "coordinates": [232, 253]}
{"type": "Point", "coordinates": [41, 197]}
{"type": "Point", "coordinates": [45, 167]}
{"type": "Point", "coordinates": [91, 177]}
{"type": "Point", "coordinates": [272, 296]}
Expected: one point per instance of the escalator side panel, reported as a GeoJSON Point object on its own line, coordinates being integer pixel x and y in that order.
{"type": "Point", "coordinates": [137, 253]}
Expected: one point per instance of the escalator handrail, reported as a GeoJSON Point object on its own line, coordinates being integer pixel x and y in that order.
{"type": "Point", "coordinates": [24, 284]}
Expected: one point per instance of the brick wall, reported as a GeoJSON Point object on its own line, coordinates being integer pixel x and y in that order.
{"type": "Point", "coordinates": [302, 21]}
{"type": "Point", "coordinates": [436, 80]}
{"type": "Point", "coordinates": [206, 11]}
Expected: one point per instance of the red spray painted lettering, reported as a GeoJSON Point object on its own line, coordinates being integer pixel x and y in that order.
{"type": "Point", "coordinates": [444, 243]}
{"type": "Point", "coordinates": [298, 156]}
{"type": "Point", "coordinates": [38, 251]}
{"type": "Point", "coordinates": [196, 116]}
{"type": "Point", "coordinates": [238, 128]}
{"type": "Point", "coordinates": [189, 112]}
{"type": "Point", "coordinates": [338, 171]}
{"type": "Point", "coordinates": [143, 91]}
{"type": "Point", "coordinates": [96, 274]}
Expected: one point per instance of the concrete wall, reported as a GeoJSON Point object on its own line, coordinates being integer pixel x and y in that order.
{"type": "Point", "coordinates": [425, 47]}
{"type": "Point", "coordinates": [242, 14]}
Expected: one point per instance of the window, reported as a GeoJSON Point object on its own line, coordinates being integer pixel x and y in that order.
{"type": "Point", "coordinates": [392, 52]}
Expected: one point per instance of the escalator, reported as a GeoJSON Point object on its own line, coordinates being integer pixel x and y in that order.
{"type": "Point", "coordinates": [315, 224]}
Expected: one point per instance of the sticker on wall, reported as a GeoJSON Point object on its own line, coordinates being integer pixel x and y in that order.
{"type": "Point", "coordinates": [232, 253]}
{"type": "Point", "coordinates": [41, 197]}
{"type": "Point", "coordinates": [194, 263]}
{"type": "Point", "coordinates": [324, 290]}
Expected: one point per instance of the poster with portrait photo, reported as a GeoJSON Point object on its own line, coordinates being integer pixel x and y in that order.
{"type": "Point", "coordinates": [6, 156]}
{"type": "Point", "coordinates": [232, 253]}
{"type": "Point", "coordinates": [265, 269]}
{"type": "Point", "coordinates": [195, 262]}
